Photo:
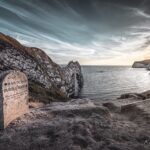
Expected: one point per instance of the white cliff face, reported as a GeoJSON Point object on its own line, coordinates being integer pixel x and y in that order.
{"type": "Point", "coordinates": [139, 65]}
{"type": "Point", "coordinates": [148, 67]}
{"type": "Point", "coordinates": [74, 78]}
{"type": "Point", "coordinates": [60, 82]}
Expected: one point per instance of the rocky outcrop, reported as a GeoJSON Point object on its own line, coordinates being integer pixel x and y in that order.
{"type": "Point", "coordinates": [139, 96]}
{"type": "Point", "coordinates": [46, 78]}
{"type": "Point", "coordinates": [141, 64]}
{"type": "Point", "coordinates": [138, 65]}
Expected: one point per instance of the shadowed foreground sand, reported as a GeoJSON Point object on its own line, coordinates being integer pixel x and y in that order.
{"type": "Point", "coordinates": [81, 125]}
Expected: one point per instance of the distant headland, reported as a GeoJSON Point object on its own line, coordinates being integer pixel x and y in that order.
{"type": "Point", "coordinates": [142, 64]}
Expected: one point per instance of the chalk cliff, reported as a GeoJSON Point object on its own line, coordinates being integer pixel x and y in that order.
{"type": "Point", "coordinates": [141, 64]}
{"type": "Point", "coordinates": [46, 78]}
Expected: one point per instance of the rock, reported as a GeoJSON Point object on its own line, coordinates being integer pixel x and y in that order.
{"type": "Point", "coordinates": [148, 67]}
{"type": "Point", "coordinates": [132, 95]}
{"type": "Point", "coordinates": [81, 107]}
{"type": "Point", "coordinates": [111, 106]}
{"type": "Point", "coordinates": [138, 65]}
{"type": "Point", "coordinates": [142, 96]}
{"type": "Point", "coordinates": [141, 64]}
{"type": "Point", "coordinates": [47, 80]}
{"type": "Point", "coordinates": [146, 94]}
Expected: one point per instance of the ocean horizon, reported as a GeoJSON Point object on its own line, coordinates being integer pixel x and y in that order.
{"type": "Point", "coordinates": [109, 82]}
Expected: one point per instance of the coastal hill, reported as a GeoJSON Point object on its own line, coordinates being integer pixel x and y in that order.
{"type": "Point", "coordinates": [142, 64]}
{"type": "Point", "coordinates": [46, 78]}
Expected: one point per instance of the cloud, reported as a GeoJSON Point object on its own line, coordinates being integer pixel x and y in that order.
{"type": "Point", "coordinates": [90, 31]}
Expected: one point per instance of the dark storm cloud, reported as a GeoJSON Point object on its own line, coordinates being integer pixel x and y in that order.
{"type": "Point", "coordinates": [78, 29]}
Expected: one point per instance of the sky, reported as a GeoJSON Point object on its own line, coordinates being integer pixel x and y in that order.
{"type": "Point", "coordinates": [93, 32]}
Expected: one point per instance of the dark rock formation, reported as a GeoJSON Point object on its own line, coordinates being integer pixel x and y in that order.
{"type": "Point", "coordinates": [47, 79]}
{"type": "Point", "coordinates": [141, 96]}
{"type": "Point", "coordinates": [141, 64]}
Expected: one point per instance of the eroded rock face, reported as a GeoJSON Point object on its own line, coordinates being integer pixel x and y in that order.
{"type": "Point", "coordinates": [141, 64]}
{"type": "Point", "coordinates": [46, 78]}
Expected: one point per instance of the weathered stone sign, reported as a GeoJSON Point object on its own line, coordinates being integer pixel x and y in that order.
{"type": "Point", "coordinates": [13, 96]}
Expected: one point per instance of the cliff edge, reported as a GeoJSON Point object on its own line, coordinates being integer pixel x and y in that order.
{"type": "Point", "coordinates": [47, 79]}
{"type": "Point", "coordinates": [141, 64]}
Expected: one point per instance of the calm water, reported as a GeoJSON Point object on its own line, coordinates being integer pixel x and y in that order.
{"type": "Point", "coordinates": [105, 82]}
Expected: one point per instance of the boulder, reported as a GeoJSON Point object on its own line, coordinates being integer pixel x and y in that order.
{"type": "Point", "coordinates": [47, 80]}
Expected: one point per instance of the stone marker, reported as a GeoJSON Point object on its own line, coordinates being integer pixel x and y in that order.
{"type": "Point", "coordinates": [13, 96]}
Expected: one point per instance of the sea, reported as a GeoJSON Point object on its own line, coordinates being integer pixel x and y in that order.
{"type": "Point", "coordinates": [109, 82]}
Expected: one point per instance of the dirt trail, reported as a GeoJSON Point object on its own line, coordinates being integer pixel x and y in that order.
{"type": "Point", "coordinates": [80, 125]}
